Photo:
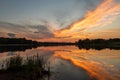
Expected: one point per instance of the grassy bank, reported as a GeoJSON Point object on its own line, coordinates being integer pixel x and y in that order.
{"type": "Point", "coordinates": [31, 68]}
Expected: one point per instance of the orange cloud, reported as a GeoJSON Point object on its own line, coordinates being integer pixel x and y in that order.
{"type": "Point", "coordinates": [103, 15]}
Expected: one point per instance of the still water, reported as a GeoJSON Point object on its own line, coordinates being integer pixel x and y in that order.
{"type": "Point", "coordinates": [72, 63]}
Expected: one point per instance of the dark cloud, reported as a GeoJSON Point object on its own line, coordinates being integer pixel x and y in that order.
{"type": "Point", "coordinates": [36, 32]}
{"type": "Point", "coordinates": [11, 35]}
{"type": "Point", "coordinates": [27, 31]}
{"type": "Point", "coordinates": [16, 28]}
{"type": "Point", "coordinates": [43, 30]}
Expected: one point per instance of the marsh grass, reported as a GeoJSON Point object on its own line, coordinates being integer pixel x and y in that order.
{"type": "Point", "coordinates": [32, 68]}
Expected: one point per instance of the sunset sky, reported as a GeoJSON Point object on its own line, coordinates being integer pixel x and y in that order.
{"type": "Point", "coordinates": [60, 20]}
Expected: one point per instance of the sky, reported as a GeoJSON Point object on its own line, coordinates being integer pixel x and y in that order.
{"type": "Point", "coordinates": [60, 20]}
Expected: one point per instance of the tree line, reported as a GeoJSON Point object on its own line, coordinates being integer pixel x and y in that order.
{"type": "Point", "coordinates": [25, 41]}
{"type": "Point", "coordinates": [16, 41]}
{"type": "Point", "coordinates": [99, 43]}
{"type": "Point", "coordinates": [82, 43]}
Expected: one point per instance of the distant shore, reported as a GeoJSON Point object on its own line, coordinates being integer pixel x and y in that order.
{"type": "Point", "coordinates": [85, 43]}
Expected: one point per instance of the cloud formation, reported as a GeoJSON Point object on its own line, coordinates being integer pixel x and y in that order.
{"type": "Point", "coordinates": [42, 30]}
{"type": "Point", "coordinates": [28, 31]}
{"type": "Point", "coordinates": [104, 14]}
{"type": "Point", "coordinates": [11, 35]}
{"type": "Point", "coordinates": [60, 28]}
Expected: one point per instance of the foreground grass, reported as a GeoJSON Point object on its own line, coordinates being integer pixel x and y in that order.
{"type": "Point", "coordinates": [32, 68]}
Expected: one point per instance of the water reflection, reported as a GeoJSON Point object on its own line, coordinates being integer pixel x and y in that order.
{"type": "Point", "coordinates": [15, 48]}
{"type": "Point", "coordinates": [95, 69]}
{"type": "Point", "coordinates": [88, 47]}
{"type": "Point", "coordinates": [25, 47]}
{"type": "Point", "coordinates": [74, 62]}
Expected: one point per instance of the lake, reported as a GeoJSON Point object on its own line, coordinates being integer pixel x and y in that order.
{"type": "Point", "coordinates": [72, 63]}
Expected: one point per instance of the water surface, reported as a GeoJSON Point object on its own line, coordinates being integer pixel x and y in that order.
{"type": "Point", "coordinates": [72, 63]}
